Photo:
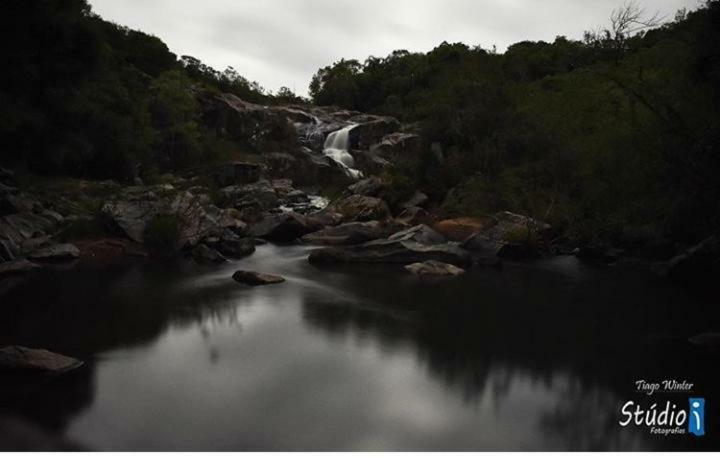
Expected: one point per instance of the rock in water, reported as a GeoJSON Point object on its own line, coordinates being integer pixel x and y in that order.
{"type": "Point", "coordinates": [391, 252]}
{"type": "Point", "coordinates": [285, 227]}
{"type": "Point", "coordinates": [708, 340]}
{"type": "Point", "coordinates": [421, 234]}
{"type": "Point", "coordinates": [236, 247]}
{"type": "Point", "coordinates": [351, 233]}
{"type": "Point", "coordinates": [256, 278]}
{"type": "Point", "coordinates": [434, 268]}
{"type": "Point", "coordinates": [27, 359]}
{"type": "Point", "coordinates": [59, 252]}
{"type": "Point", "coordinates": [16, 267]}
{"type": "Point", "coordinates": [203, 253]}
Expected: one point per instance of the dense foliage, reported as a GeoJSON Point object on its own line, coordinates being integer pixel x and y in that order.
{"type": "Point", "coordinates": [82, 96]}
{"type": "Point", "coordinates": [614, 137]}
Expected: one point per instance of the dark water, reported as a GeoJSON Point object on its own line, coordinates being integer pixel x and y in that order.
{"type": "Point", "coordinates": [533, 357]}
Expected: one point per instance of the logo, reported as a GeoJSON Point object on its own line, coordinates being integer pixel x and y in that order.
{"type": "Point", "coordinates": [665, 417]}
{"type": "Point", "coordinates": [696, 423]}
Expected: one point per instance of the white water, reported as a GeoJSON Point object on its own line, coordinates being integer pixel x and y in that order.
{"type": "Point", "coordinates": [336, 147]}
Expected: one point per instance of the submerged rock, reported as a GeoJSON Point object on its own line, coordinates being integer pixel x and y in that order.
{"type": "Point", "coordinates": [708, 340]}
{"type": "Point", "coordinates": [16, 267]}
{"type": "Point", "coordinates": [26, 359]}
{"type": "Point", "coordinates": [434, 268]}
{"type": "Point", "coordinates": [256, 278]}
{"type": "Point", "coordinates": [697, 261]}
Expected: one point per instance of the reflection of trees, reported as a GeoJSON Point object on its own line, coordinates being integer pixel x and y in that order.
{"type": "Point", "coordinates": [84, 312]}
{"type": "Point", "coordinates": [466, 340]}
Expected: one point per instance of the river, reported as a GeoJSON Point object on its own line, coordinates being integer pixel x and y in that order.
{"type": "Point", "coordinates": [536, 356]}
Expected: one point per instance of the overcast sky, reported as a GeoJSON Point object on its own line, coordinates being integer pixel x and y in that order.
{"type": "Point", "coordinates": [284, 42]}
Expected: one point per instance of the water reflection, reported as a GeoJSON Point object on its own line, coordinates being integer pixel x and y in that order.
{"type": "Point", "coordinates": [362, 358]}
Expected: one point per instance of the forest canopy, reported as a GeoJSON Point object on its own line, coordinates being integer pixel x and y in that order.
{"type": "Point", "coordinates": [613, 134]}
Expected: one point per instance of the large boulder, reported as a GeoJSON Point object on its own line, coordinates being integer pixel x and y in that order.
{"type": "Point", "coordinates": [285, 227]}
{"type": "Point", "coordinates": [136, 207]}
{"type": "Point", "coordinates": [360, 208]}
{"type": "Point", "coordinates": [254, 128]}
{"type": "Point", "coordinates": [256, 278]}
{"type": "Point", "coordinates": [30, 360]}
{"type": "Point", "coordinates": [434, 268]}
{"type": "Point", "coordinates": [236, 247]}
{"type": "Point", "coordinates": [391, 252]}
{"type": "Point", "coordinates": [351, 233]}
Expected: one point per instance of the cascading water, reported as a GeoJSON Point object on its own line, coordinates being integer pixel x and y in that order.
{"type": "Point", "coordinates": [336, 147]}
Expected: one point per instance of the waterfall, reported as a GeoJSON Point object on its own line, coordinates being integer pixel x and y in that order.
{"type": "Point", "coordinates": [336, 147]}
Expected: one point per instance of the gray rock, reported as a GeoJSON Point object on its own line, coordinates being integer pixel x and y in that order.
{"type": "Point", "coordinates": [30, 360]}
{"type": "Point", "coordinates": [391, 252]}
{"type": "Point", "coordinates": [351, 233]}
{"type": "Point", "coordinates": [434, 268]}
{"type": "Point", "coordinates": [59, 252]}
{"type": "Point", "coordinates": [256, 278]}
{"type": "Point", "coordinates": [137, 206]}
{"type": "Point", "coordinates": [420, 234]}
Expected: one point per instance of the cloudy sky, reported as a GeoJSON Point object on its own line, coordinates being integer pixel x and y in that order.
{"type": "Point", "coordinates": [284, 42]}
